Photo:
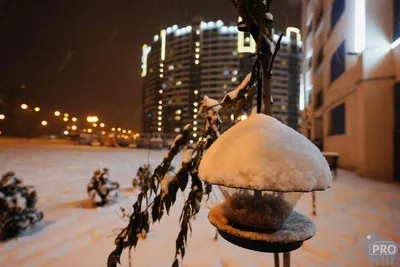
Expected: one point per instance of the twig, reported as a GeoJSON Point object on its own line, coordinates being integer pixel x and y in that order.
{"type": "Point", "coordinates": [277, 48]}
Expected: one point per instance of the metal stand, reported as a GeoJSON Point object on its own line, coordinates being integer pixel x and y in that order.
{"type": "Point", "coordinates": [297, 229]}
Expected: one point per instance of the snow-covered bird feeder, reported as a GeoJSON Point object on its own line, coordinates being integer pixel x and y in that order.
{"type": "Point", "coordinates": [263, 167]}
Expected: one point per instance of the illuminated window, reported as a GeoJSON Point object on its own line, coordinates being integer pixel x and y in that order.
{"type": "Point", "coordinates": [177, 118]}
{"type": "Point", "coordinates": [197, 44]}
{"type": "Point", "coordinates": [160, 102]}
{"type": "Point", "coordinates": [161, 76]}
{"type": "Point", "coordinates": [197, 62]}
{"type": "Point", "coordinates": [177, 130]}
{"type": "Point", "coordinates": [178, 112]}
{"type": "Point", "coordinates": [195, 104]}
{"type": "Point", "coordinates": [160, 91]}
{"type": "Point", "coordinates": [196, 92]}
{"type": "Point", "coordinates": [194, 128]}
{"type": "Point", "coordinates": [195, 122]}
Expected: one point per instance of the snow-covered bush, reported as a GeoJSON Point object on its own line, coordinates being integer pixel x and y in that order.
{"type": "Point", "coordinates": [143, 173]}
{"type": "Point", "coordinates": [17, 206]}
{"type": "Point", "coordinates": [101, 189]}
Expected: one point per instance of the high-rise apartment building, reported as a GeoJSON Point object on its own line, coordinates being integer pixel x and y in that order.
{"type": "Point", "coordinates": [350, 91]}
{"type": "Point", "coordinates": [183, 64]}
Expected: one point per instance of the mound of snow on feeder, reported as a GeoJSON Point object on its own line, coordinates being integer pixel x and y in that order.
{"type": "Point", "coordinates": [261, 153]}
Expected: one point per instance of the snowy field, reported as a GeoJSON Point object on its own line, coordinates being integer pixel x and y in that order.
{"type": "Point", "coordinates": [73, 234]}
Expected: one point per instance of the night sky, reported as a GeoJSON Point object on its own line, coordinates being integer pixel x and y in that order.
{"type": "Point", "coordinates": [84, 56]}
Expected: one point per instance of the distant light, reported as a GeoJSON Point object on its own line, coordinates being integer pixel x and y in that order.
{"type": "Point", "coordinates": [84, 130]}
{"type": "Point", "coordinates": [197, 50]}
{"type": "Point", "coordinates": [197, 44]}
{"type": "Point", "coordinates": [197, 62]}
{"type": "Point", "coordinates": [159, 118]}
{"type": "Point", "coordinates": [57, 113]}
{"type": "Point", "coordinates": [159, 129]}
{"type": "Point", "coordinates": [161, 75]}
{"type": "Point", "coordinates": [191, 141]}
{"type": "Point", "coordinates": [163, 35]}
{"type": "Point", "coordinates": [160, 91]}
{"type": "Point", "coordinates": [66, 115]}
{"type": "Point", "coordinates": [124, 131]}
{"type": "Point", "coordinates": [219, 23]}
{"type": "Point", "coordinates": [195, 122]}
{"type": "Point", "coordinates": [232, 117]}
{"type": "Point", "coordinates": [177, 118]}
{"type": "Point", "coordinates": [95, 125]}
{"type": "Point", "coordinates": [178, 112]}
{"type": "Point", "coordinates": [74, 119]}
{"type": "Point", "coordinates": [44, 123]}
{"type": "Point", "coordinates": [195, 110]}
{"type": "Point", "coordinates": [119, 129]}
{"type": "Point", "coordinates": [74, 127]}
{"type": "Point", "coordinates": [395, 43]}
{"type": "Point", "coordinates": [2, 116]}
{"type": "Point", "coordinates": [160, 107]}
{"type": "Point", "coordinates": [159, 123]}
{"type": "Point", "coordinates": [103, 132]}
{"type": "Point", "coordinates": [235, 72]}
{"type": "Point", "coordinates": [102, 125]}
{"type": "Point", "coordinates": [113, 129]}
{"type": "Point", "coordinates": [175, 27]}
{"type": "Point", "coordinates": [177, 130]}
{"type": "Point", "coordinates": [243, 117]}
{"type": "Point", "coordinates": [89, 130]}
{"type": "Point", "coordinates": [24, 106]}
{"type": "Point", "coordinates": [194, 116]}
{"type": "Point", "coordinates": [197, 56]}
{"type": "Point", "coordinates": [156, 38]}
{"type": "Point", "coordinates": [194, 128]}
{"type": "Point", "coordinates": [65, 119]}
{"type": "Point", "coordinates": [160, 102]}
{"type": "Point", "coordinates": [234, 79]}
{"type": "Point", "coordinates": [37, 109]}
{"type": "Point", "coordinates": [129, 131]}
{"type": "Point", "coordinates": [171, 67]}
{"type": "Point", "coordinates": [198, 32]}
{"type": "Point", "coordinates": [196, 92]}
{"type": "Point", "coordinates": [194, 135]}
{"type": "Point", "coordinates": [160, 113]}
{"type": "Point", "coordinates": [65, 132]}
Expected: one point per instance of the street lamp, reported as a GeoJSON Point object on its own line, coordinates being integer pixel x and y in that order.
{"type": "Point", "coordinates": [74, 119]}
{"type": "Point", "coordinates": [65, 119]}
{"type": "Point", "coordinates": [24, 106]}
{"type": "Point", "coordinates": [2, 116]}
{"type": "Point", "coordinates": [37, 109]}
{"type": "Point", "coordinates": [66, 115]}
{"type": "Point", "coordinates": [95, 119]}
{"type": "Point", "coordinates": [113, 129]}
{"type": "Point", "coordinates": [57, 113]}
{"type": "Point", "coordinates": [73, 127]}
{"type": "Point", "coordinates": [65, 132]}
{"type": "Point", "coordinates": [44, 123]}
{"type": "Point", "coordinates": [102, 125]}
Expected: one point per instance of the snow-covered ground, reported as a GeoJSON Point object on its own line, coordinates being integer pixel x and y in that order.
{"type": "Point", "coordinates": [74, 234]}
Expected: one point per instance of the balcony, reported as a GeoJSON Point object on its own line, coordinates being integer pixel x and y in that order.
{"type": "Point", "coordinates": [319, 100]}
{"type": "Point", "coordinates": [320, 58]}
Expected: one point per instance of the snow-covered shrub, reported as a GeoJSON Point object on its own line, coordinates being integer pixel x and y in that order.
{"type": "Point", "coordinates": [101, 189]}
{"type": "Point", "coordinates": [142, 175]}
{"type": "Point", "coordinates": [17, 206]}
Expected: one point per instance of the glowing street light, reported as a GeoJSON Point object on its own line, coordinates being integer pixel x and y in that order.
{"type": "Point", "coordinates": [44, 123]}
{"type": "Point", "coordinates": [92, 119]}
{"type": "Point", "coordinates": [36, 109]}
{"type": "Point", "coordinates": [2, 116]}
{"type": "Point", "coordinates": [73, 127]}
{"type": "Point", "coordinates": [129, 131]}
{"type": "Point", "coordinates": [103, 132]}
{"type": "Point", "coordinates": [66, 115]}
{"type": "Point", "coordinates": [57, 113]}
{"type": "Point", "coordinates": [123, 131]}
{"type": "Point", "coordinates": [65, 119]}
{"type": "Point", "coordinates": [74, 119]}
{"type": "Point", "coordinates": [24, 106]}
{"type": "Point", "coordinates": [102, 125]}
{"type": "Point", "coordinates": [119, 129]}
{"type": "Point", "coordinates": [113, 129]}
{"type": "Point", "coordinates": [66, 132]}
{"type": "Point", "coordinates": [89, 130]}
{"type": "Point", "coordinates": [95, 125]}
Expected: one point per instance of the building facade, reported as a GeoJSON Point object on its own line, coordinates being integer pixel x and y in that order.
{"type": "Point", "coordinates": [350, 82]}
{"type": "Point", "coordinates": [184, 64]}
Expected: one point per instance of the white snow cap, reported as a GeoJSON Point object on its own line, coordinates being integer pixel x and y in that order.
{"type": "Point", "coordinates": [261, 153]}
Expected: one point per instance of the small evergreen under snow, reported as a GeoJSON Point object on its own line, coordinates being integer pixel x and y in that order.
{"type": "Point", "coordinates": [261, 153]}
